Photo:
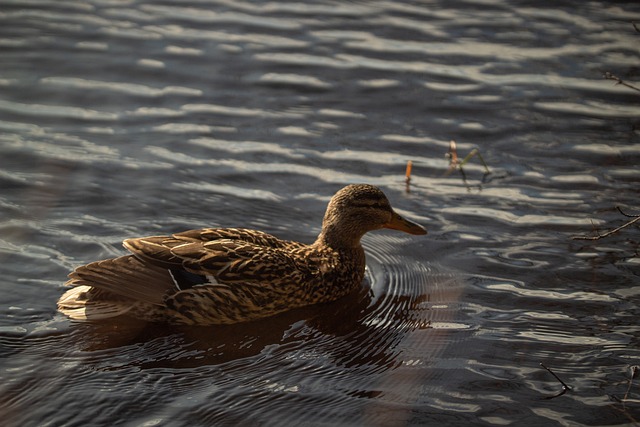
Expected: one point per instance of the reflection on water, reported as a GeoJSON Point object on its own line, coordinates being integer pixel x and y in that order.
{"type": "Point", "coordinates": [121, 119]}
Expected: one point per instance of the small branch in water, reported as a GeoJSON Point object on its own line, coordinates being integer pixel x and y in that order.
{"type": "Point", "coordinates": [634, 373]}
{"type": "Point", "coordinates": [634, 370]}
{"type": "Point", "coordinates": [626, 214]}
{"type": "Point", "coordinates": [565, 387]}
{"type": "Point", "coordinates": [609, 76]}
{"type": "Point", "coordinates": [599, 236]}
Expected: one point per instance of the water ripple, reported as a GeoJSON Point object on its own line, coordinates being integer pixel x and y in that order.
{"type": "Point", "coordinates": [117, 87]}
{"type": "Point", "coordinates": [55, 111]}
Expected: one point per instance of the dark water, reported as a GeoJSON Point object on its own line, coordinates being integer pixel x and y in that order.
{"type": "Point", "coordinates": [127, 118]}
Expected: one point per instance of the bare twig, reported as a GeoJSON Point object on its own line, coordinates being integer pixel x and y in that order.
{"type": "Point", "coordinates": [565, 387]}
{"type": "Point", "coordinates": [609, 76]}
{"type": "Point", "coordinates": [635, 219]}
{"type": "Point", "coordinates": [626, 214]}
{"type": "Point", "coordinates": [634, 373]}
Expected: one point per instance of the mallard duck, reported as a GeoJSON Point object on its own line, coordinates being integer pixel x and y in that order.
{"type": "Point", "coordinates": [230, 275]}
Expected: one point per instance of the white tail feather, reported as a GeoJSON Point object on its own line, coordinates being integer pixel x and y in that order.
{"type": "Point", "coordinates": [76, 304]}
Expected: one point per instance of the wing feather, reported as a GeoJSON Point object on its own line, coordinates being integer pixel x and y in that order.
{"type": "Point", "coordinates": [238, 261]}
{"type": "Point", "coordinates": [228, 254]}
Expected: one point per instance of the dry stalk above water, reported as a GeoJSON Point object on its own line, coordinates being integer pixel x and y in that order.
{"type": "Point", "coordinates": [455, 163]}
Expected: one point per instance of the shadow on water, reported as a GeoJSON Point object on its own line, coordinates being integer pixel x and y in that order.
{"type": "Point", "coordinates": [362, 348]}
{"type": "Point", "coordinates": [366, 327]}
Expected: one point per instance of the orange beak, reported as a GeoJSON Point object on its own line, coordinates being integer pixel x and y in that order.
{"type": "Point", "coordinates": [402, 224]}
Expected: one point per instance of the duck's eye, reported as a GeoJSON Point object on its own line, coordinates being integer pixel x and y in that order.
{"type": "Point", "coordinates": [381, 206]}
{"type": "Point", "coordinates": [371, 205]}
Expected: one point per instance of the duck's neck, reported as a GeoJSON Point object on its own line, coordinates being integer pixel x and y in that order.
{"type": "Point", "coordinates": [338, 235]}
{"type": "Point", "coordinates": [349, 252]}
{"type": "Point", "coordinates": [337, 240]}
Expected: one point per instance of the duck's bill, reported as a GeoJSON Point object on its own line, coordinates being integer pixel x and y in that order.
{"type": "Point", "coordinates": [402, 224]}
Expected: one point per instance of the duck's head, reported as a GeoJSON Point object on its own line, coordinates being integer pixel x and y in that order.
{"type": "Point", "coordinates": [357, 209]}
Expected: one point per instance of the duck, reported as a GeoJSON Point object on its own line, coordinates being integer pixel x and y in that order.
{"type": "Point", "coordinates": [218, 276]}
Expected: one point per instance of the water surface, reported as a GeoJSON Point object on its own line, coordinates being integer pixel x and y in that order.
{"type": "Point", "coordinates": [129, 118]}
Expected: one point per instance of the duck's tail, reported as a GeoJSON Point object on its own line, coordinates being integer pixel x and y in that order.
{"type": "Point", "coordinates": [83, 303]}
{"type": "Point", "coordinates": [114, 287]}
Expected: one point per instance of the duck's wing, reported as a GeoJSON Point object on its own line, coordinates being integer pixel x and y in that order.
{"type": "Point", "coordinates": [227, 260]}
{"type": "Point", "coordinates": [158, 249]}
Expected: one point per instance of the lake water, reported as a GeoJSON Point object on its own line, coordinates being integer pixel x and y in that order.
{"type": "Point", "coordinates": [129, 118]}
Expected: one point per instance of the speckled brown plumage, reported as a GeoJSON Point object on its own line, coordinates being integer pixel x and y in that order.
{"type": "Point", "coordinates": [231, 275]}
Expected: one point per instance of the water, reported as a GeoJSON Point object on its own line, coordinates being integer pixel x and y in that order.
{"type": "Point", "coordinates": [126, 118]}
